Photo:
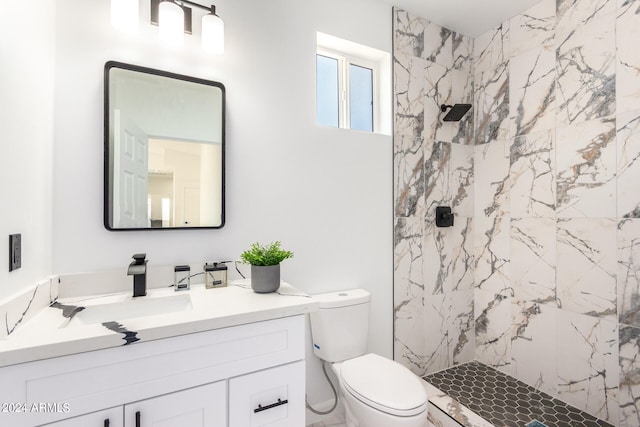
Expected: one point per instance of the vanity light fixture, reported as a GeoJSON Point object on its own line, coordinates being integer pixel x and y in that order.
{"type": "Point", "coordinates": [173, 18]}
{"type": "Point", "coordinates": [212, 37]}
{"type": "Point", "coordinates": [171, 26]}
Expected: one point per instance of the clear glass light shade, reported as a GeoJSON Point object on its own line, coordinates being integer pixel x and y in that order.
{"type": "Point", "coordinates": [212, 34]}
{"type": "Point", "coordinates": [170, 24]}
{"type": "Point", "coordinates": [125, 15]}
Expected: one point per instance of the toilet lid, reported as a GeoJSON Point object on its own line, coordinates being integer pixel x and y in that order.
{"type": "Point", "coordinates": [384, 384]}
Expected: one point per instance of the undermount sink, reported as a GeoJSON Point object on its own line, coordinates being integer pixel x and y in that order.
{"type": "Point", "coordinates": [133, 308]}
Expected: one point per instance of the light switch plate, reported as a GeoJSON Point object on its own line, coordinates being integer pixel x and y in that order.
{"type": "Point", "coordinates": [15, 251]}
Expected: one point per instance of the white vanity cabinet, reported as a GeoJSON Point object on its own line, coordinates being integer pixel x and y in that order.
{"type": "Point", "coordinates": [225, 377]}
{"type": "Point", "coordinates": [107, 418]}
{"type": "Point", "coordinates": [204, 406]}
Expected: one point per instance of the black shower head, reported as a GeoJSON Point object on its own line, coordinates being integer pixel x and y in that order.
{"type": "Point", "coordinates": [457, 112]}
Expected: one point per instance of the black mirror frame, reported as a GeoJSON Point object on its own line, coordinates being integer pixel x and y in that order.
{"type": "Point", "coordinates": [107, 205]}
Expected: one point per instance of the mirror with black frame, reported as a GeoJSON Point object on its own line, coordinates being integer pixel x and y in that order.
{"type": "Point", "coordinates": [164, 150]}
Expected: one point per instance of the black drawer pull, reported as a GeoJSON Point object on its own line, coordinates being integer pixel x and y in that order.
{"type": "Point", "coordinates": [106, 422]}
{"type": "Point", "coordinates": [261, 408]}
{"type": "Point", "coordinates": [138, 419]}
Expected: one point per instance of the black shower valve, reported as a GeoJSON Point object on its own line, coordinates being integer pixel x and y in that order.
{"type": "Point", "coordinates": [444, 216]}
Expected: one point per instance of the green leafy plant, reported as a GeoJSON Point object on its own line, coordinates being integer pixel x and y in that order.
{"type": "Point", "coordinates": [264, 255]}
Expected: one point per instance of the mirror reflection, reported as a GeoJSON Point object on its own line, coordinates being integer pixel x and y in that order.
{"type": "Point", "coordinates": [164, 150]}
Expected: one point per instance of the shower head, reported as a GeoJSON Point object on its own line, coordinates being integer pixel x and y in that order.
{"type": "Point", "coordinates": [457, 112]}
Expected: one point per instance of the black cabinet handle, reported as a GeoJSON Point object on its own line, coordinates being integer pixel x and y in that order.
{"type": "Point", "coordinates": [261, 408]}
{"type": "Point", "coordinates": [138, 419]}
{"type": "Point", "coordinates": [106, 422]}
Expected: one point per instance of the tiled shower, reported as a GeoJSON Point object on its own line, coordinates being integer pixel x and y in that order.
{"type": "Point", "coordinates": [540, 275]}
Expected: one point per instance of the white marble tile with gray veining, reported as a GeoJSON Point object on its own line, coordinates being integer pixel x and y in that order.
{"type": "Point", "coordinates": [409, 95]}
{"type": "Point", "coordinates": [437, 83]}
{"type": "Point", "coordinates": [408, 176]}
{"type": "Point", "coordinates": [408, 33]}
{"type": "Point", "coordinates": [586, 270]}
{"type": "Point", "coordinates": [409, 294]}
{"type": "Point", "coordinates": [463, 53]}
{"type": "Point", "coordinates": [491, 220]}
{"type": "Point", "coordinates": [586, 169]}
{"type": "Point", "coordinates": [450, 330]}
{"type": "Point", "coordinates": [585, 48]}
{"type": "Point", "coordinates": [436, 171]}
{"type": "Point", "coordinates": [438, 44]}
{"type": "Point", "coordinates": [534, 345]}
{"type": "Point", "coordinates": [628, 164]}
{"type": "Point", "coordinates": [491, 49]}
{"type": "Point", "coordinates": [629, 393]}
{"type": "Point", "coordinates": [532, 176]}
{"type": "Point", "coordinates": [533, 259]}
{"type": "Point", "coordinates": [491, 175]}
{"type": "Point", "coordinates": [588, 371]}
{"type": "Point", "coordinates": [533, 28]}
{"type": "Point", "coordinates": [461, 179]}
{"type": "Point", "coordinates": [491, 85]}
{"type": "Point", "coordinates": [491, 242]}
{"type": "Point", "coordinates": [585, 87]}
{"type": "Point", "coordinates": [629, 272]}
{"type": "Point", "coordinates": [491, 107]}
{"type": "Point", "coordinates": [628, 56]}
{"type": "Point", "coordinates": [436, 249]}
{"type": "Point", "coordinates": [461, 414]}
{"type": "Point", "coordinates": [586, 25]}
{"type": "Point", "coordinates": [462, 254]}
{"type": "Point", "coordinates": [493, 329]}
{"type": "Point", "coordinates": [462, 93]}
{"type": "Point", "coordinates": [532, 83]}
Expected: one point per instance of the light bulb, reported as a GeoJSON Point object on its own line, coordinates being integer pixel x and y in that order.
{"type": "Point", "coordinates": [170, 24]}
{"type": "Point", "coordinates": [212, 34]}
{"type": "Point", "coordinates": [125, 15]}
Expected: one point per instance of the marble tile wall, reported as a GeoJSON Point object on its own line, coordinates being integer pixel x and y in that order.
{"type": "Point", "coordinates": [557, 211]}
{"type": "Point", "coordinates": [433, 166]}
{"type": "Point", "coordinates": [540, 277]}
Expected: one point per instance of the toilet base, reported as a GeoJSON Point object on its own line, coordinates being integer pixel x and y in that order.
{"type": "Point", "coordinates": [358, 414]}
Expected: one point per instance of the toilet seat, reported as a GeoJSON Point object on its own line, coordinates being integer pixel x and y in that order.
{"type": "Point", "coordinates": [384, 385]}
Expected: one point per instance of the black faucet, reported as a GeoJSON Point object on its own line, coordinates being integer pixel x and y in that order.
{"type": "Point", "coordinates": [138, 269]}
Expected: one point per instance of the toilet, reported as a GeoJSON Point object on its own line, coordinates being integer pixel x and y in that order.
{"type": "Point", "coordinates": [377, 392]}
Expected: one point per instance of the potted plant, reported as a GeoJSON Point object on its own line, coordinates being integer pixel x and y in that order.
{"type": "Point", "coordinates": [265, 265]}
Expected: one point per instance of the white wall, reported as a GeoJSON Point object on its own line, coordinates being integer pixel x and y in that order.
{"type": "Point", "coordinates": [26, 139]}
{"type": "Point", "coordinates": [325, 193]}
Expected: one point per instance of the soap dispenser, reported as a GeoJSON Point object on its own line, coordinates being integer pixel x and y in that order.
{"type": "Point", "coordinates": [215, 275]}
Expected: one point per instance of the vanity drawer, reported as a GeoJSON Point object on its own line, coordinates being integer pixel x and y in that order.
{"type": "Point", "coordinates": [273, 397]}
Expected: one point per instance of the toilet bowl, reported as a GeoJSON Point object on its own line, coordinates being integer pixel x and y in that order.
{"type": "Point", "coordinates": [376, 391]}
{"type": "Point", "coordinates": [380, 392]}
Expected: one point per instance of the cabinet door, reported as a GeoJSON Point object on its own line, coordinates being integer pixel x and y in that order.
{"type": "Point", "coordinates": [204, 406]}
{"type": "Point", "coordinates": [273, 397]}
{"type": "Point", "coordinates": [107, 418]}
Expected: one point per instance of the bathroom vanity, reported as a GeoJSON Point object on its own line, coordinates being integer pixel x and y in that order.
{"type": "Point", "coordinates": [230, 358]}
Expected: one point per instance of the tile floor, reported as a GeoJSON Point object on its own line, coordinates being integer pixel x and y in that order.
{"type": "Point", "coordinates": [336, 420]}
{"type": "Point", "coordinates": [505, 401]}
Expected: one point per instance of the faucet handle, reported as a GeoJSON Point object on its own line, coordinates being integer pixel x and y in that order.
{"type": "Point", "coordinates": [139, 258]}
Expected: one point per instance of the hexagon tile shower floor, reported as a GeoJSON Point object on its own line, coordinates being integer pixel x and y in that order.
{"type": "Point", "coordinates": [504, 401]}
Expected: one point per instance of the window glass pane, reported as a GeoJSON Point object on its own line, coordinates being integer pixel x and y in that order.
{"type": "Point", "coordinates": [327, 91]}
{"type": "Point", "coordinates": [361, 98]}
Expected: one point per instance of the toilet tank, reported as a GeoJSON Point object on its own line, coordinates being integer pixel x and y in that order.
{"type": "Point", "coordinates": [340, 327]}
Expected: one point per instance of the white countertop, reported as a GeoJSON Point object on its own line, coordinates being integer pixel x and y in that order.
{"type": "Point", "coordinates": [55, 332]}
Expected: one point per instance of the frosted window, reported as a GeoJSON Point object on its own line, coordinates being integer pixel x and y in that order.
{"type": "Point", "coordinates": [327, 93]}
{"type": "Point", "coordinates": [361, 98]}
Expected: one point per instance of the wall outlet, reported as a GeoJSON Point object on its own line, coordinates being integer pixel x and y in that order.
{"type": "Point", "coordinates": [15, 251]}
